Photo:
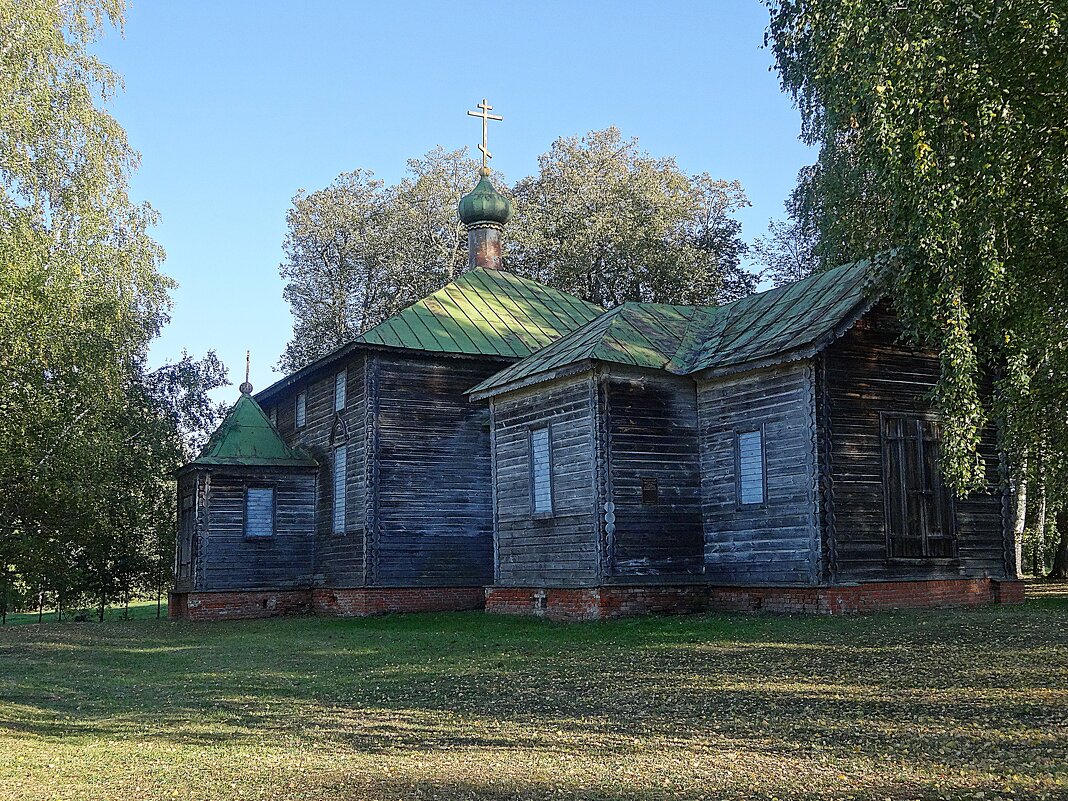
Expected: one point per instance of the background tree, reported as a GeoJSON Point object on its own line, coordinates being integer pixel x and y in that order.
{"type": "Point", "coordinates": [954, 116]}
{"type": "Point", "coordinates": [602, 219]}
{"type": "Point", "coordinates": [336, 267]}
{"type": "Point", "coordinates": [358, 251]}
{"type": "Point", "coordinates": [609, 223]}
{"type": "Point", "coordinates": [788, 251]}
{"type": "Point", "coordinates": [86, 445]}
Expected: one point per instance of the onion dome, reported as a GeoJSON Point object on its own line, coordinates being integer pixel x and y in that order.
{"type": "Point", "coordinates": [484, 204]}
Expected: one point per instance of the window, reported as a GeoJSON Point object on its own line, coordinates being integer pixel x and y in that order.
{"type": "Point", "coordinates": [919, 511]}
{"type": "Point", "coordinates": [339, 391]}
{"type": "Point", "coordinates": [302, 409]}
{"type": "Point", "coordinates": [186, 526]}
{"type": "Point", "coordinates": [541, 473]}
{"type": "Point", "coordinates": [259, 512]}
{"type": "Point", "coordinates": [340, 485]}
{"type": "Point", "coordinates": [273, 416]}
{"type": "Point", "coordinates": [650, 491]}
{"type": "Point", "coordinates": [749, 462]}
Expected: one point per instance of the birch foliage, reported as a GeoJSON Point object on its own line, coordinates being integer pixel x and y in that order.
{"type": "Point", "coordinates": [943, 135]}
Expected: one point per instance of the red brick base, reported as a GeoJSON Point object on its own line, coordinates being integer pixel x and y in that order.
{"type": "Point", "coordinates": [599, 603]}
{"type": "Point", "coordinates": [238, 605]}
{"type": "Point", "coordinates": [358, 602]}
{"type": "Point", "coordinates": [361, 602]}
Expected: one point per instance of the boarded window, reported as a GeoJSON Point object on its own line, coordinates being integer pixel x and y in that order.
{"type": "Point", "coordinates": [650, 491]}
{"type": "Point", "coordinates": [186, 525]}
{"type": "Point", "coordinates": [259, 512]}
{"type": "Point", "coordinates": [339, 391]}
{"type": "Point", "coordinates": [749, 457]}
{"type": "Point", "coordinates": [340, 486]}
{"type": "Point", "coordinates": [541, 474]}
{"type": "Point", "coordinates": [302, 409]}
{"type": "Point", "coordinates": [919, 510]}
{"type": "Point", "coordinates": [273, 416]}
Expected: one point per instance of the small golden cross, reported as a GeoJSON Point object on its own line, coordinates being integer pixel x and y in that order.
{"type": "Point", "coordinates": [486, 117]}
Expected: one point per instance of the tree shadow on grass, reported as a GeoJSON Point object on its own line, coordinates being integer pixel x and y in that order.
{"type": "Point", "coordinates": [934, 692]}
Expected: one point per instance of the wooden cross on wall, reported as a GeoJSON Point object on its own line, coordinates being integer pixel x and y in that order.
{"type": "Point", "coordinates": [486, 117]}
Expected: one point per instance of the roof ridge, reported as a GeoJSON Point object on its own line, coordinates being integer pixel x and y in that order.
{"type": "Point", "coordinates": [684, 339]}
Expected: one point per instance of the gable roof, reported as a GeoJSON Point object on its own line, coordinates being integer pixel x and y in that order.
{"type": "Point", "coordinates": [806, 313]}
{"type": "Point", "coordinates": [481, 313]}
{"type": "Point", "coordinates": [486, 313]}
{"type": "Point", "coordinates": [246, 438]}
{"type": "Point", "coordinates": [635, 334]}
{"type": "Point", "coordinates": [682, 339]}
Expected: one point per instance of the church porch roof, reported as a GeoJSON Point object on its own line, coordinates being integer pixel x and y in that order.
{"type": "Point", "coordinates": [246, 438]}
{"type": "Point", "coordinates": [682, 340]}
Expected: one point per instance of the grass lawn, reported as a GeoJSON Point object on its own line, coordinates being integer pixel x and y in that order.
{"type": "Point", "coordinates": [959, 704]}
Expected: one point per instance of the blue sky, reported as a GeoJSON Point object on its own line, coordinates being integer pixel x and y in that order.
{"type": "Point", "coordinates": [235, 106]}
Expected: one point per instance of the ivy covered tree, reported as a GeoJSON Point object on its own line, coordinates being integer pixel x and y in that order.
{"type": "Point", "coordinates": [943, 135]}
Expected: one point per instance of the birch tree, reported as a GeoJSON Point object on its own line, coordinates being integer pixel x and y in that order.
{"type": "Point", "coordinates": [954, 117]}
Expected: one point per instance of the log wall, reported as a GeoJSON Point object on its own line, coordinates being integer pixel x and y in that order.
{"type": "Point", "coordinates": [777, 542]}
{"type": "Point", "coordinates": [867, 372]}
{"type": "Point", "coordinates": [561, 548]}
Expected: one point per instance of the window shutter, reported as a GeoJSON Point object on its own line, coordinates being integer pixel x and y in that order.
{"type": "Point", "coordinates": [749, 451]}
{"type": "Point", "coordinates": [259, 512]}
{"type": "Point", "coordinates": [339, 391]}
{"type": "Point", "coordinates": [340, 486]}
{"type": "Point", "coordinates": [541, 471]}
{"type": "Point", "coordinates": [302, 403]}
{"type": "Point", "coordinates": [919, 510]}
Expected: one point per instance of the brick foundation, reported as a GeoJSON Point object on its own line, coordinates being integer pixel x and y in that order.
{"type": "Point", "coordinates": [600, 603]}
{"type": "Point", "coordinates": [361, 602]}
{"type": "Point", "coordinates": [358, 602]}
{"type": "Point", "coordinates": [238, 605]}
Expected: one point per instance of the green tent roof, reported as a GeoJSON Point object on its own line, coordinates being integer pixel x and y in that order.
{"type": "Point", "coordinates": [246, 438]}
{"type": "Point", "coordinates": [486, 313]}
{"type": "Point", "coordinates": [684, 339]}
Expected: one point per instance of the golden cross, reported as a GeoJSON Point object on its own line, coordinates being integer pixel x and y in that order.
{"type": "Point", "coordinates": [486, 117]}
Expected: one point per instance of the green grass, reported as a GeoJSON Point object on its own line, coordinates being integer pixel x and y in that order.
{"type": "Point", "coordinates": [957, 704]}
{"type": "Point", "coordinates": [139, 610]}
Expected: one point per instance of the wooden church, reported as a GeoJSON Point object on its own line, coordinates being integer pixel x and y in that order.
{"type": "Point", "coordinates": [504, 445]}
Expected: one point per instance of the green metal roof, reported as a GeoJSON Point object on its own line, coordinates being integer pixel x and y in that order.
{"type": "Point", "coordinates": [684, 339]}
{"type": "Point", "coordinates": [637, 334]}
{"type": "Point", "coordinates": [246, 438]}
{"type": "Point", "coordinates": [485, 313]}
{"type": "Point", "coordinates": [779, 321]}
{"type": "Point", "coordinates": [481, 313]}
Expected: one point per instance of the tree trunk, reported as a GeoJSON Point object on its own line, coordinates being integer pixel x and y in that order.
{"type": "Point", "coordinates": [1060, 559]}
{"type": "Point", "coordinates": [40, 606]}
{"type": "Point", "coordinates": [1019, 521]}
{"type": "Point", "coordinates": [1038, 563]}
{"type": "Point", "coordinates": [103, 600]}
